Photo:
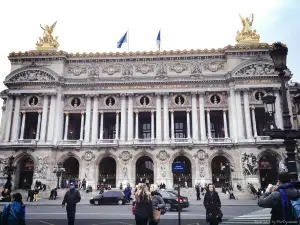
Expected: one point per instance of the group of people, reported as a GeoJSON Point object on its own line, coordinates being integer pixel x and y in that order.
{"type": "Point", "coordinates": [81, 184]}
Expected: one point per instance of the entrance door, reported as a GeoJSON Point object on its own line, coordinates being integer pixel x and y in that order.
{"type": "Point", "coordinates": [71, 173]}
{"type": "Point", "coordinates": [144, 170]}
{"type": "Point", "coordinates": [107, 172]}
{"type": "Point", "coordinates": [221, 174]}
{"type": "Point", "coordinates": [268, 170]}
{"type": "Point", "coordinates": [26, 173]}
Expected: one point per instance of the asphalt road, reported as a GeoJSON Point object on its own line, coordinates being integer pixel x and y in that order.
{"type": "Point", "coordinates": [114, 214]}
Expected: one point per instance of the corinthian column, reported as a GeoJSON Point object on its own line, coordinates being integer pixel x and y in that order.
{"type": "Point", "coordinates": [51, 117]}
{"type": "Point", "coordinates": [195, 125]}
{"type": "Point", "coordinates": [123, 118]}
{"type": "Point", "coordinates": [81, 126]}
{"type": "Point", "coordinates": [101, 125]}
{"type": "Point", "coordinates": [233, 116]}
{"type": "Point", "coordinates": [66, 126]}
{"type": "Point", "coordinates": [130, 118]}
{"type": "Point", "coordinates": [9, 110]}
{"type": "Point", "coordinates": [225, 123]}
{"type": "Point", "coordinates": [16, 119]}
{"type": "Point", "coordinates": [88, 119]}
{"type": "Point", "coordinates": [172, 125]}
{"type": "Point", "coordinates": [239, 114]}
{"type": "Point", "coordinates": [166, 117]}
{"type": "Point", "coordinates": [208, 123]}
{"type": "Point", "coordinates": [44, 118]}
{"type": "Point", "coordinates": [278, 111]}
{"type": "Point", "coordinates": [38, 126]}
{"type": "Point", "coordinates": [23, 125]}
{"type": "Point", "coordinates": [117, 124]}
{"type": "Point", "coordinates": [136, 125]}
{"type": "Point", "coordinates": [188, 121]}
{"type": "Point", "coordinates": [158, 117]}
{"type": "Point", "coordinates": [152, 125]}
{"type": "Point", "coordinates": [247, 115]}
{"type": "Point", "coordinates": [95, 120]}
{"type": "Point", "coordinates": [202, 116]}
{"type": "Point", "coordinates": [254, 121]}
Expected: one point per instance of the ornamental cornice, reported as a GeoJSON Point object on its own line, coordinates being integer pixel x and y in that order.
{"type": "Point", "coordinates": [61, 54]}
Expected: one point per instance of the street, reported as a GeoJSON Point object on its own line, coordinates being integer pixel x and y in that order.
{"type": "Point", "coordinates": [113, 214]}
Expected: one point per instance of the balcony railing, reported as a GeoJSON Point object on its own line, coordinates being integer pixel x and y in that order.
{"type": "Point", "coordinates": [107, 142]}
{"type": "Point", "coordinates": [220, 140]}
{"type": "Point", "coordinates": [181, 142]}
{"type": "Point", "coordinates": [266, 139]}
{"type": "Point", "coordinates": [144, 142]}
{"type": "Point", "coordinates": [70, 142]}
{"type": "Point", "coordinates": [26, 141]}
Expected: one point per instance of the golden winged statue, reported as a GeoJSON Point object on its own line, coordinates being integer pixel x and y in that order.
{"type": "Point", "coordinates": [47, 42]}
{"type": "Point", "coordinates": [247, 35]}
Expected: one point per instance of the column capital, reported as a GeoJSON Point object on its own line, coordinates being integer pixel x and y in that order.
{"type": "Point", "coordinates": [96, 96]}
{"type": "Point", "coordinates": [194, 93]}
{"type": "Point", "coordinates": [188, 110]}
{"type": "Point", "coordinates": [89, 95]}
{"type": "Point", "coordinates": [101, 112]}
{"type": "Point", "coordinates": [158, 94]}
{"type": "Point", "coordinates": [166, 94]}
{"type": "Point", "coordinates": [207, 110]}
{"type": "Point", "coordinates": [171, 111]}
{"type": "Point", "coordinates": [201, 93]}
{"type": "Point", "coordinates": [224, 110]}
{"type": "Point", "coordinates": [276, 88]}
{"type": "Point", "coordinates": [23, 112]}
{"type": "Point", "coordinates": [117, 112]}
{"type": "Point", "coordinates": [152, 111]}
{"type": "Point", "coordinates": [136, 112]}
{"type": "Point", "coordinates": [246, 90]}
{"type": "Point", "coordinates": [130, 94]}
{"type": "Point", "coordinates": [39, 112]}
{"type": "Point", "coordinates": [82, 113]}
{"type": "Point", "coordinates": [67, 113]}
{"type": "Point", "coordinates": [52, 93]}
{"type": "Point", "coordinates": [252, 107]}
{"type": "Point", "coordinates": [123, 95]}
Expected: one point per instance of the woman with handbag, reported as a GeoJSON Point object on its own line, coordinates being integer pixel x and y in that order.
{"type": "Point", "coordinates": [159, 207]}
{"type": "Point", "coordinates": [212, 205]}
{"type": "Point", "coordinates": [143, 210]}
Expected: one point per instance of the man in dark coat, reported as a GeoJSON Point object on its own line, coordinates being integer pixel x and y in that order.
{"type": "Point", "coordinates": [72, 197]}
{"type": "Point", "coordinates": [278, 198]}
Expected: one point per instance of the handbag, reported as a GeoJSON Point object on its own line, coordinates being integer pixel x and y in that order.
{"type": "Point", "coordinates": [132, 209]}
{"type": "Point", "coordinates": [156, 215]}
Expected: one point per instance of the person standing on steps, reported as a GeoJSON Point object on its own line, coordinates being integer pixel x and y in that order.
{"type": "Point", "coordinates": [72, 197]}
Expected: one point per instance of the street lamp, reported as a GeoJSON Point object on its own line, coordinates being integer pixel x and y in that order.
{"type": "Point", "coordinates": [59, 170]}
{"type": "Point", "coordinates": [279, 54]}
{"type": "Point", "coordinates": [269, 102]}
{"type": "Point", "coordinates": [8, 171]}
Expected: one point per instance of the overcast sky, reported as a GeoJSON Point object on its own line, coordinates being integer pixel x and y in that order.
{"type": "Point", "coordinates": [97, 25]}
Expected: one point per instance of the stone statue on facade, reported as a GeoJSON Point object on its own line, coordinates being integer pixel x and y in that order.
{"type": "Point", "coordinates": [41, 169]}
{"type": "Point", "coordinates": [249, 164]}
{"type": "Point", "coordinates": [247, 35]}
{"type": "Point", "coordinates": [87, 169]}
{"type": "Point", "coordinates": [47, 42]}
{"type": "Point", "coordinates": [3, 163]}
{"type": "Point", "coordinates": [124, 171]}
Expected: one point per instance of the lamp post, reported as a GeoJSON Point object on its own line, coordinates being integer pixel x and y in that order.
{"type": "Point", "coordinates": [279, 54]}
{"type": "Point", "coordinates": [59, 170]}
{"type": "Point", "coordinates": [8, 171]}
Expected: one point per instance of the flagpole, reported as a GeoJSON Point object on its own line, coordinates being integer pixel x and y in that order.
{"type": "Point", "coordinates": [160, 39]}
{"type": "Point", "coordinates": [128, 40]}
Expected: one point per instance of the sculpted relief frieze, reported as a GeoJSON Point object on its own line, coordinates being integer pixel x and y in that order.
{"type": "Point", "coordinates": [127, 69]}
{"type": "Point", "coordinates": [214, 66]}
{"type": "Point", "coordinates": [144, 68]}
{"type": "Point", "coordinates": [77, 70]}
{"type": "Point", "coordinates": [94, 70]}
{"type": "Point", "coordinates": [111, 69]}
{"type": "Point", "coordinates": [256, 69]}
{"type": "Point", "coordinates": [178, 67]}
{"type": "Point", "coordinates": [32, 75]}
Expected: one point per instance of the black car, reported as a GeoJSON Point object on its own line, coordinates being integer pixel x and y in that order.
{"type": "Point", "coordinates": [108, 198]}
{"type": "Point", "coordinates": [171, 200]}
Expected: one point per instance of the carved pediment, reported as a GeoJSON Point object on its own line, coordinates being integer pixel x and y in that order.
{"type": "Point", "coordinates": [32, 73]}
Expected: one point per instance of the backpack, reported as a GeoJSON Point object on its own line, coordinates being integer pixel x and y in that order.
{"type": "Point", "coordinates": [294, 206]}
{"type": "Point", "coordinates": [4, 219]}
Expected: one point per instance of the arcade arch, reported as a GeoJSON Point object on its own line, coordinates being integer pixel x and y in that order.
{"type": "Point", "coordinates": [107, 171]}
{"type": "Point", "coordinates": [221, 171]}
{"type": "Point", "coordinates": [187, 175]}
{"type": "Point", "coordinates": [24, 173]}
{"type": "Point", "coordinates": [71, 173]}
{"type": "Point", "coordinates": [268, 165]}
{"type": "Point", "coordinates": [144, 170]}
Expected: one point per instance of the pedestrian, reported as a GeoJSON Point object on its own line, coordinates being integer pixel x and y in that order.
{"type": "Point", "coordinates": [53, 194]}
{"type": "Point", "coordinates": [83, 184]}
{"type": "Point", "coordinates": [158, 206]}
{"type": "Point", "coordinates": [127, 193]}
{"type": "Point", "coordinates": [278, 198]}
{"type": "Point", "coordinates": [143, 209]}
{"type": "Point", "coordinates": [35, 194]}
{"type": "Point", "coordinates": [30, 195]}
{"type": "Point", "coordinates": [14, 213]}
{"type": "Point", "coordinates": [72, 197]}
{"type": "Point", "coordinates": [212, 205]}
{"type": "Point", "coordinates": [198, 191]}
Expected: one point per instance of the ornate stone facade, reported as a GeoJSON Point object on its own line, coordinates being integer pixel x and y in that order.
{"type": "Point", "coordinates": [195, 83]}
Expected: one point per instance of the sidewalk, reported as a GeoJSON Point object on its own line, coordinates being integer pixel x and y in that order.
{"type": "Point", "coordinates": [86, 201]}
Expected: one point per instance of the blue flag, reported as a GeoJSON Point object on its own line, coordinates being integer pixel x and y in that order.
{"type": "Point", "coordinates": [122, 40]}
{"type": "Point", "coordinates": [158, 40]}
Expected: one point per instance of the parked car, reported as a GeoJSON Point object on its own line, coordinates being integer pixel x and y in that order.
{"type": "Point", "coordinates": [171, 200]}
{"type": "Point", "coordinates": [108, 198]}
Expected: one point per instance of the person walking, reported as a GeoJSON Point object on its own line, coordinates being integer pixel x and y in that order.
{"type": "Point", "coordinates": [198, 191]}
{"type": "Point", "coordinates": [71, 198]}
{"type": "Point", "coordinates": [83, 184]}
{"type": "Point", "coordinates": [127, 193]}
{"type": "Point", "coordinates": [14, 213]}
{"type": "Point", "coordinates": [278, 198]}
{"type": "Point", "coordinates": [35, 194]}
{"type": "Point", "coordinates": [143, 210]}
{"type": "Point", "coordinates": [212, 205]}
{"type": "Point", "coordinates": [158, 204]}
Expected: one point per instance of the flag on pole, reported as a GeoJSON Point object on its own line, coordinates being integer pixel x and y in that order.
{"type": "Point", "coordinates": [122, 40]}
{"type": "Point", "coordinates": [158, 40]}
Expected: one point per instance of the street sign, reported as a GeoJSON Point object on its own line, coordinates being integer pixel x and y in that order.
{"type": "Point", "coordinates": [177, 167]}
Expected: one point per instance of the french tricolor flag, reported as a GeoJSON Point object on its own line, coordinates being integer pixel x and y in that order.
{"type": "Point", "coordinates": [158, 40]}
